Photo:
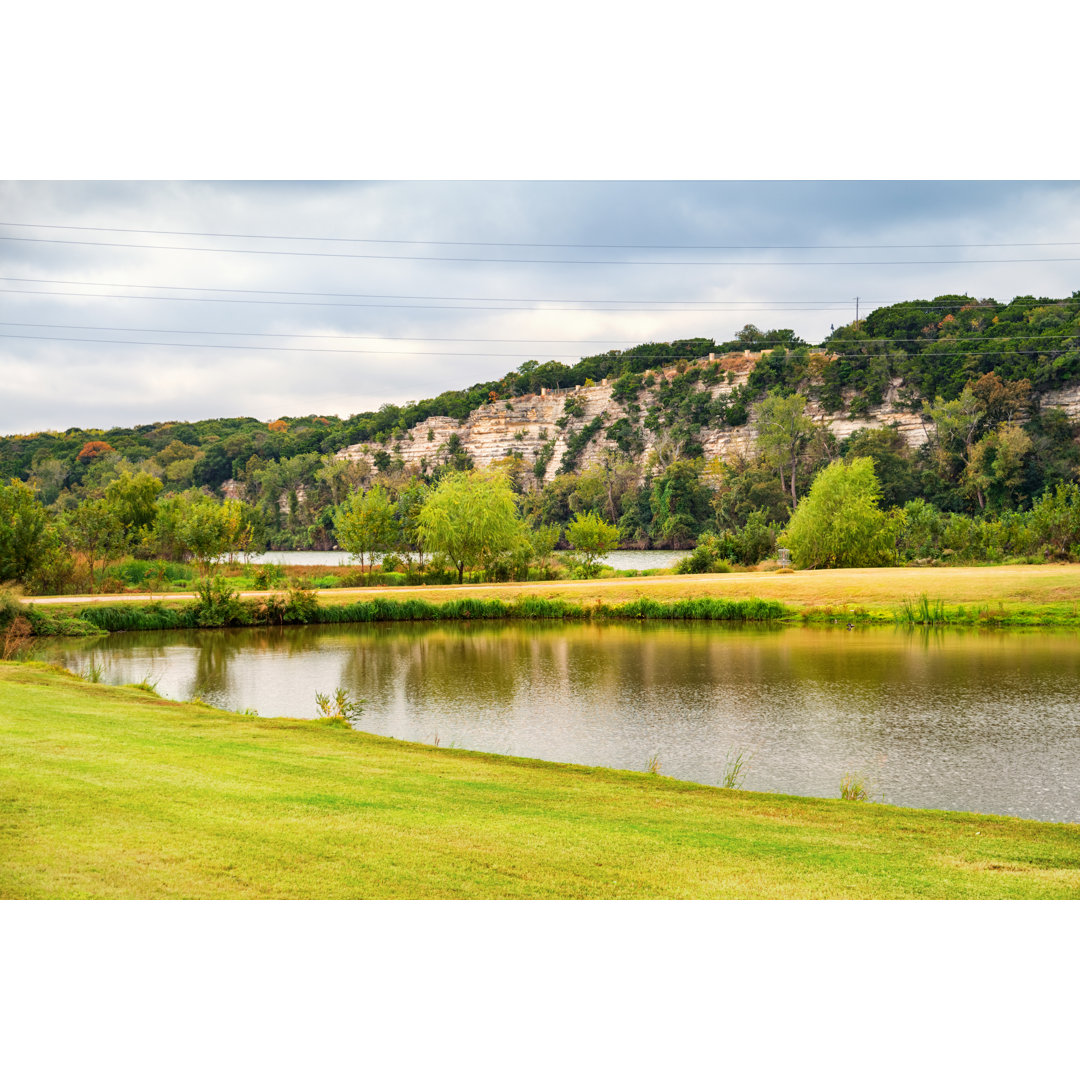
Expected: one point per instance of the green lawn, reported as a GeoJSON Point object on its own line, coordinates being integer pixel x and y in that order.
{"type": "Point", "coordinates": [108, 792]}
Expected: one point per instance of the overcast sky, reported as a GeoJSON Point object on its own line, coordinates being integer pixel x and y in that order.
{"type": "Point", "coordinates": [778, 260]}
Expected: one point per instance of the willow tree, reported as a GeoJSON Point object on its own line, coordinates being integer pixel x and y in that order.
{"type": "Point", "coordinates": [839, 524]}
{"type": "Point", "coordinates": [472, 518]}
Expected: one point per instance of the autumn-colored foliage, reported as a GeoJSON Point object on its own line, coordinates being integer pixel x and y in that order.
{"type": "Point", "coordinates": [94, 449]}
{"type": "Point", "coordinates": [277, 425]}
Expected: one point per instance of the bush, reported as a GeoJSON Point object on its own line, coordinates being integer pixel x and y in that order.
{"type": "Point", "coordinates": [709, 557]}
{"type": "Point", "coordinates": [267, 575]}
{"type": "Point", "coordinates": [839, 524]}
{"type": "Point", "coordinates": [10, 608]}
{"type": "Point", "coordinates": [217, 604]}
{"type": "Point", "coordinates": [1055, 522]}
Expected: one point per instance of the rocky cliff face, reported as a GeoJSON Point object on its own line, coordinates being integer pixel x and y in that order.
{"type": "Point", "coordinates": [529, 426]}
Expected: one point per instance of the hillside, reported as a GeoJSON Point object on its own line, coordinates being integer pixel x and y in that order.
{"type": "Point", "coordinates": [1003, 377]}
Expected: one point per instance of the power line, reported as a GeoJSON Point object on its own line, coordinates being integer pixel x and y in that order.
{"type": "Point", "coordinates": [404, 296]}
{"type": "Point", "coordinates": [829, 303]}
{"type": "Point", "coordinates": [336, 337]}
{"type": "Point", "coordinates": [531, 244]}
{"type": "Point", "coordinates": [538, 262]}
{"type": "Point", "coordinates": [409, 307]}
{"type": "Point", "coordinates": [834, 346]}
{"type": "Point", "coordinates": [280, 348]}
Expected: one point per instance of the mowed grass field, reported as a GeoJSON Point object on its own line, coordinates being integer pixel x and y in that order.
{"type": "Point", "coordinates": [114, 792]}
{"type": "Point", "coordinates": [1054, 586]}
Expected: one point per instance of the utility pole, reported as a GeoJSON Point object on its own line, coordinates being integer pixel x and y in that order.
{"type": "Point", "coordinates": [856, 313]}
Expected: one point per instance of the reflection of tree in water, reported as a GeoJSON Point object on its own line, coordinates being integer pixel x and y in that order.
{"type": "Point", "coordinates": [424, 663]}
{"type": "Point", "coordinates": [215, 648]}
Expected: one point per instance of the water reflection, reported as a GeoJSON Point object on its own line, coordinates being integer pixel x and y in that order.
{"type": "Point", "coordinates": [958, 720]}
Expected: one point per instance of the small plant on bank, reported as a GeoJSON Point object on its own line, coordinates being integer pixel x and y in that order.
{"type": "Point", "coordinates": [340, 708]}
{"type": "Point", "coordinates": [854, 787]}
{"type": "Point", "coordinates": [93, 672]}
{"type": "Point", "coordinates": [148, 684]}
{"type": "Point", "coordinates": [736, 764]}
{"type": "Point", "coordinates": [16, 643]}
{"type": "Point", "coordinates": [652, 765]}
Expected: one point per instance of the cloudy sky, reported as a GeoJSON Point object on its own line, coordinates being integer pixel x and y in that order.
{"type": "Point", "coordinates": [127, 303]}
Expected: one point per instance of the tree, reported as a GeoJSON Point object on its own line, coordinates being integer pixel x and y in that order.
{"type": "Point", "coordinates": [95, 532]}
{"type": "Point", "coordinates": [364, 525]}
{"type": "Point", "coordinates": [1055, 521]}
{"type": "Point", "coordinates": [410, 502]}
{"type": "Point", "coordinates": [132, 497]}
{"type": "Point", "coordinates": [24, 525]}
{"type": "Point", "coordinates": [94, 449]}
{"type": "Point", "coordinates": [784, 430]}
{"type": "Point", "coordinates": [679, 503]}
{"type": "Point", "coordinates": [472, 518]}
{"type": "Point", "coordinates": [839, 523]}
{"type": "Point", "coordinates": [205, 531]}
{"type": "Point", "coordinates": [995, 468]}
{"type": "Point", "coordinates": [592, 538]}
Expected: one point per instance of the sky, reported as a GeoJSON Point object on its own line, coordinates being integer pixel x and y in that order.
{"type": "Point", "coordinates": [121, 307]}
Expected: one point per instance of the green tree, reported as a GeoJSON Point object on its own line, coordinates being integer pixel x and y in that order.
{"type": "Point", "coordinates": [132, 497]}
{"type": "Point", "coordinates": [839, 523]}
{"type": "Point", "coordinates": [24, 529]}
{"type": "Point", "coordinates": [1055, 521]}
{"type": "Point", "coordinates": [472, 518]}
{"type": "Point", "coordinates": [592, 538]}
{"type": "Point", "coordinates": [206, 531]}
{"type": "Point", "coordinates": [783, 432]}
{"type": "Point", "coordinates": [994, 470]}
{"type": "Point", "coordinates": [96, 533]}
{"type": "Point", "coordinates": [410, 502]}
{"type": "Point", "coordinates": [364, 525]}
{"type": "Point", "coordinates": [680, 503]}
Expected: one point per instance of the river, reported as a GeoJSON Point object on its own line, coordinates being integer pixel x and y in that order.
{"type": "Point", "coordinates": [983, 721]}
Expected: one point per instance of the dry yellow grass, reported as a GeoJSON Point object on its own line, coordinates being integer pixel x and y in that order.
{"type": "Point", "coordinates": [877, 587]}
{"type": "Point", "coordinates": [882, 588]}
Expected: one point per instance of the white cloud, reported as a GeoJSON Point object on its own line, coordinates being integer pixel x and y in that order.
{"type": "Point", "coordinates": [55, 384]}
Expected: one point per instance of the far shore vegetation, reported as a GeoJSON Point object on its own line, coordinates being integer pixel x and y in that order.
{"type": "Point", "coordinates": [114, 792]}
{"type": "Point", "coordinates": [994, 479]}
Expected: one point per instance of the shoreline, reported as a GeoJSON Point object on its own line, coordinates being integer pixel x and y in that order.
{"type": "Point", "coordinates": [1011, 595]}
{"type": "Point", "coordinates": [116, 792]}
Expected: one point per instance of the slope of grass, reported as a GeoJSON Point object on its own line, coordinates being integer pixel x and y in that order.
{"type": "Point", "coordinates": [114, 792]}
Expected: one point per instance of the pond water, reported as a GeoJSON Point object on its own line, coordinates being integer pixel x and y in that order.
{"type": "Point", "coordinates": [618, 560]}
{"type": "Point", "coordinates": [984, 721]}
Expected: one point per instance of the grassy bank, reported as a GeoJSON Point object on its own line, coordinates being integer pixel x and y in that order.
{"type": "Point", "coordinates": [293, 609]}
{"type": "Point", "coordinates": [1046, 595]}
{"type": "Point", "coordinates": [114, 792]}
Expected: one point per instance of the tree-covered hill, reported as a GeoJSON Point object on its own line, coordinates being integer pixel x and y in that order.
{"type": "Point", "coordinates": [973, 368]}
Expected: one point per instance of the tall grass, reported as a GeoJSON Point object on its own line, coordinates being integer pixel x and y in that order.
{"type": "Point", "coordinates": [110, 618]}
{"type": "Point", "coordinates": [922, 612]}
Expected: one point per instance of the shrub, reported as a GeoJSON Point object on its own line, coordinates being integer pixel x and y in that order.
{"type": "Point", "coordinates": [340, 709]}
{"type": "Point", "coordinates": [839, 524]}
{"type": "Point", "coordinates": [267, 575]}
{"type": "Point", "coordinates": [1055, 521]}
{"type": "Point", "coordinates": [216, 604]}
{"type": "Point", "coordinates": [709, 557]}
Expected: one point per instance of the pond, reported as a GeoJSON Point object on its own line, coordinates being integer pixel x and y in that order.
{"type": "Point", "coordinates": [617, 560]}
{"type": "Point", "coordinates": [983, 721]}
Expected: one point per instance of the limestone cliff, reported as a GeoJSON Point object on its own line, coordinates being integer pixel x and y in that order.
{"type": "Point", "coordinates": [540, 429]}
